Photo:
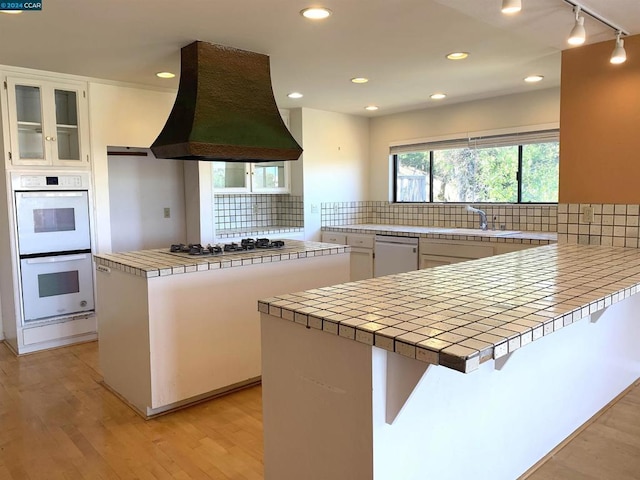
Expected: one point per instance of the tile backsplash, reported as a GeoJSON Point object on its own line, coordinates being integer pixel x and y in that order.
{"type": "Point", "coordinates": [599, 224]}
{"type": "Point", "coordinates": [255, 211]}
{"type": "Point", "coordinates": [534, 218]}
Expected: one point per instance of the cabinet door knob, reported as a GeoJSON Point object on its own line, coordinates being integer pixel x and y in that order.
{"type": "Point", "coordinates": [51, 139]}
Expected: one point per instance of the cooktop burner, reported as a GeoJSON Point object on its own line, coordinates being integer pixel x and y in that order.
{"type": "Point", "coordinates": [245, 244]}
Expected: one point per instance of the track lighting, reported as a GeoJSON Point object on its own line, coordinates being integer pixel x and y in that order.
{"type": "Point", "coordinates": [578, 34]}
{"type": "Point", "coordinates": [511, 6]}
{"type": "Point", "coordinates": [619, 55]}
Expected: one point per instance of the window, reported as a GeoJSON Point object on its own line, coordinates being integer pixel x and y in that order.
{"type": "Point", "coordinates": [519, 168]}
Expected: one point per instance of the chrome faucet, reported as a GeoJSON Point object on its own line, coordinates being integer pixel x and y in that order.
{"type": "Point", "coordinates": [483, 216]}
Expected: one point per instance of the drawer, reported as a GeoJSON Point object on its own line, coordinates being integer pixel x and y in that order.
{"type": "Point", "coordinates": [60, 331]}
{"type": "Point", "coordinates": [457, 250]}
{"type": "Point", "coordinates": [362, 241]}
{"type": "Point", "coordinates": [430, 261]}
{"type": "Point", "coordinates": [333, 237]}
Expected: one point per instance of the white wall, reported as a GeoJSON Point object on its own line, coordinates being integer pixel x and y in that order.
{"type": "Point", "coordinates": [120, 115]}
{"type": "Point", "coordinates": [532, 108]}
{"type": "Point", "coordinates": [139, 190]}
{"type": "Point", "coordinates": [335, 161]}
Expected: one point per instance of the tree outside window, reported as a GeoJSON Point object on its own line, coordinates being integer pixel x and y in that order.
{"type": "Point", "coordinates": [525, 173]}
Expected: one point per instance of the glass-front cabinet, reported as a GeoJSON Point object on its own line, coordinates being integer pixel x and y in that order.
{"type": "Point", "coordinates": [231, 177]}
{"type": "Point", "coordinates": [266, 177]}
{"type": "Point", "coordinates": [48, 122]}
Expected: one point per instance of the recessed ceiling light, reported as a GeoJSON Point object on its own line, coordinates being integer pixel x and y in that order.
{"type": "Point", "coordinates": [11, 12]}
{"type": "Point", "coordinates": [165, 75]}
{"type": "Point", "coordinates": [438, 96]}
{"type": "Point", "coordinates": [371, 108]}
{"type": "Point", "coordinates": [295, 95]}
{"type": "Point", "coordinates": [315, 13]}
{"type": "Point", "coordinates": [533, 78]}
{"type": "Point", "coordinates": [359, 80]}
{"type": "Point", "coordinates": [457, 55]}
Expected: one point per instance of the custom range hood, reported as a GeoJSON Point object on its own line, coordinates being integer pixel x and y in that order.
{"type": "Point", "coordinates": [225, 110]}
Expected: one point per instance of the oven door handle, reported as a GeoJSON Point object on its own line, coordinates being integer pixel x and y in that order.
{"type": "Point", "coordinates": [57, 258]}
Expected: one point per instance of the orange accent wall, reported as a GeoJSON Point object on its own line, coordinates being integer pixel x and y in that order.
{"type": "Point", "coordinates": [600, 125]}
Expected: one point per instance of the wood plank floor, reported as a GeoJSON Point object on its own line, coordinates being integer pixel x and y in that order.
{"type": "Point", "coordinates": [58, 422]}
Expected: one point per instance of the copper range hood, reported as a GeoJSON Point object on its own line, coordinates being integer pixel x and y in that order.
{"type": "Point", "coordinates": [225, 110]}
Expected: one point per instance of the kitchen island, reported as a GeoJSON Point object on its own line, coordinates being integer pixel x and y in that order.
{"type": "Point", "coordinates": [472, 370]}
{"type": "Point", "coordinates": [175, 329]}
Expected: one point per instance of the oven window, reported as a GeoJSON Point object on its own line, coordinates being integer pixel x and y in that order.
{"type": "Point", "coordinates": [47, 220]}
{"type": "Point", "coordinates": [59, 283]}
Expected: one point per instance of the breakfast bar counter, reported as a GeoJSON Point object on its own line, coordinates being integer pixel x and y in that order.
{"type": "Point", "coordinates": [476, 369]}
{"type": "Point", "coordinates": [175, 329]}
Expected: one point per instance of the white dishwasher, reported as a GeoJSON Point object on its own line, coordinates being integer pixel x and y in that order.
{"type": "Point", "coordinates": [394, 255]}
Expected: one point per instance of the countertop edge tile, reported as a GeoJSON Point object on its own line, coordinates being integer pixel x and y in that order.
{"type": "Point", "coordinates": [517, 298]}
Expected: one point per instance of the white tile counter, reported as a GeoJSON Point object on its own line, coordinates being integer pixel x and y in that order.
{"type": "Point", "coordinates": [160, 262]}
{"type": "Point", "coordinates": [462, 315]}
{"type": "Point", "coordinates": [372, 388]}
{"type": "Point", "coordinates": [450, 233]}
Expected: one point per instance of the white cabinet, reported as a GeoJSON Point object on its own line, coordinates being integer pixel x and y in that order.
{"type": "Point", "coordinates": [238, 177]}
{"type": "Point", "coordinates": [48, 122]}
{"type": "Point", "coordinates": [361, 256]}
{"type": "Point", "coordinates": [334, 237]}
{"type": "Point", "coordinates": [434, 253]}
{"type": "Point", "coordinates": [430, 261]}
{"type": "Point", "coordinates": [361, 262]}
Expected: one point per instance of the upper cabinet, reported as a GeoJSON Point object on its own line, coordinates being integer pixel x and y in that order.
{"type": "Point", "coordinates": [48, 122]}
{"type": "Point", "coordinates": [266, 177]}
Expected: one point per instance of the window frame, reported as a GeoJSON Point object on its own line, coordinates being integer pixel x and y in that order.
{"type": "Point", "coordinates": [420, 147]}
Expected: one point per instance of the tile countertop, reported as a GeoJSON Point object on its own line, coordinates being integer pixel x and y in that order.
{"type": "Point", "coordinates": [464, 314]}
{"type": "Point", "coordinates": [160, 262]}
{"type": "Point", "coordinates": [449, 233]}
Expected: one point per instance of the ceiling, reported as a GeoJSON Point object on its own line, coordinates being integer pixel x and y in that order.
{"type": "Point", "coordinates": [400, 45]}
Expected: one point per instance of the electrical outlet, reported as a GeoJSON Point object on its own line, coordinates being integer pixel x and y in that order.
{"type": "Point", "coordinates": [587, 214]}
{"type": "Point", "coordinates": [255, 208]}
{"type": "Point", "coordinates": [167, 212]}
{"type": "Point", "coordinates": [314, 208]}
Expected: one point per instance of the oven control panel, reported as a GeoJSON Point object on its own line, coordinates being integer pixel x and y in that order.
{"type": "Point", "coordinates": [50, 182]}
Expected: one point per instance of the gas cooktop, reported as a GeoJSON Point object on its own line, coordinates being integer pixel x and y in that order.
{"type": "Point", "coordinates": [245, 245]}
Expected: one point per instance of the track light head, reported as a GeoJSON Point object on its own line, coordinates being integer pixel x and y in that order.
{"type": "Point", "coordinates": [619, 55]}
{"type": "Point", "coordinates": [578, 34]}
{"type": "Point", "coordinates": [510, 7]}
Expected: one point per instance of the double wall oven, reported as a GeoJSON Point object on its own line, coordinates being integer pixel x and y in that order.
{"type": "Point", "coordinates": [54, 244]}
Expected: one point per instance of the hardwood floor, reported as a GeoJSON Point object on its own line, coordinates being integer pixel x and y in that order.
{"type": "Point", "coordinates": [58, 422]}
{"type": "Point", "coordinates": [607, 449]}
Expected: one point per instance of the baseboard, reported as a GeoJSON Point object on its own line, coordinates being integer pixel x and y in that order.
{"type": "Point", "coordinates": [577, 432]}
{"type": "Point", "coordinates": [205, 397]}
